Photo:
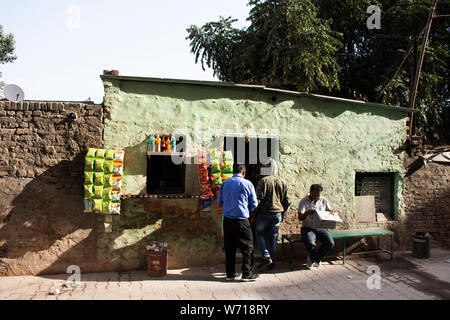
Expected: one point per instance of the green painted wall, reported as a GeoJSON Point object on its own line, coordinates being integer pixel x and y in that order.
{"type": "Point", "coordinates": [321, 141]}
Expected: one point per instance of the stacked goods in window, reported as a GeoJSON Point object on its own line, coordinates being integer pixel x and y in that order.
{"type": "Point", "coordinates": [203, 178]}
{"type": "Point", "coordinates": [103, 180]}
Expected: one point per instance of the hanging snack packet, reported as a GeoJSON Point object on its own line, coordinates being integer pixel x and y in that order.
{"type": "Point", "coordinates": [227, 168]}
{"type": "Point", "coordinates": [215, 167]}
{"type": "Point", "coordinates": [213, 155]}
{"type": "Point", "coordinates": [115, 194]}
{"type": "Point", "coordinates": [109, 166]}
{"type": "Point", "coordinates": [206, 193]}
{"type": "Point", "coordinates": [119, 155]}
{"type": "Point", "coordinates": [108, 180]}
{"type": "Point", "coordinates": [91, 153]}
{"type": "Point", "coordinates": [216, 179]}
{"type": "Point", "coordinates": [98, 192]}
{"type": "Point", "coordinates": [100, 153]}
{"type": "Point", "coordinates": [226, 176]}
{"type": "Point", "coordinates": [106, 207]}
{"type": "Point", "coordinates": [99, 165]}
{"type": "Point", "coordinates": [89, 164]}
{"type": "Point", "coordinates": [115, 207]}
{"type": "Point", "coordinates": [88, 191]}
{"type": "Point", "coordinates": [118, 168]}
{"type": "Point", "coordinates": [107, 193]}
{"type": "Point", "coordinates": [88, 205]}
{"type": "Point", "coordinates": [227, 156]}
{"type": "Point", "coordinates": [88, 177]}
{"type": "Point", "coordinates": [204, 181]}
{"type": "Point", "coordinates": [99, 178]}
{"type": "Point", "coordinates": [117, 181]}
{"type": "Point", "coordinates": [97, 205]}
{"type": "Point", "coordinates": [109, 154]}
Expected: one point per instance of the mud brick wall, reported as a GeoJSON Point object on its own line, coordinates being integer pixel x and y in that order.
{"type": "Point", "coordinates": [42, 225]}
{"type": "Point", "coordinates": [427, 201]}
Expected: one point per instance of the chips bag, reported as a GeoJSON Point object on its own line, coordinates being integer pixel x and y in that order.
{"type": "Point", "coordinates": [99, 178]}
{"type": "Point", "coordinates": [109, 155]}
{"type": "Point", "coordinates": [119, 155]}
{"type": "Point", "coordinates": [117, 181]}
{"type": "Point", "coordinates": [91, 153]}
{"type": "Point", "coordinates": [227, 156]}
{"type": "Point", "coordinates": [226, 176]}
{"type": "Point", "coordinates": [206, 206]}
{"type": "Point", "coordinates": [227, 168]}
{"type": "Point", "coordinates": [108, 180]}
{"type": "Point", "coordinates": [97, 205]}
{"type": "Point", "coordinates": [99, 165]}
{"type": "Point", "coordinates": [88, 191]}
{"type": "Point", "coordinates": [118, 168]}
{"type": "Point", "coordinates": [215, 167]}
{"type": "Point", "coordinates": [216, 179]}
{"type": "Point", "coordinates": [115, 194]}
{"type": "Point", "coordinates": [109, 166]}
{"type": "Point", "coordinates": [100, 153]}
{"type": "Point", "coordinates": [106, 207]}
{"type": "Point", "coordinates": [98, 192]}
{"type": "Point", "coordinates": [115, 207]}
{"type": "Point", "coordinates": [89, 164]}
{"type": "Point", "coordinates": [88, 177]}
{"type": "Point", "coordinates": [107, 193]}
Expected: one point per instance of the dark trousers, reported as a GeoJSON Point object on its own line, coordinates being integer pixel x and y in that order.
{"type": "Point", "coordinates": [309, 237]}
{"type": "Point", "coordinates": [238, 233]}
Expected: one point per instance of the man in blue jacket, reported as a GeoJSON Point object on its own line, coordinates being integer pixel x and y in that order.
{"type": "Point", "coordinates": [238, 197]}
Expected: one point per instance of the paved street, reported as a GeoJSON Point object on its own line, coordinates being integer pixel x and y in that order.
{"type": "Point", "coordinates": [404, 278]}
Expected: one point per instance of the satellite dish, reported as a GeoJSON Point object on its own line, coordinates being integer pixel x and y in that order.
{"type": "Point", "coordinates": [13, 93]}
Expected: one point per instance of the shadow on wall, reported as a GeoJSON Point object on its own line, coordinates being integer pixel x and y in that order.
{"type": "Point", "coordinates": [45, 220]}
{"type": "Point", "coordinates": [45, 230]}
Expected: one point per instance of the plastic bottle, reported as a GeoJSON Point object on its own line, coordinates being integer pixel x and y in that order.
{"type": "Point", "coordinates": [163, 145]}
{"type": "Point", "coordinates": [173, 144]}
{"type": "Point", "coordinates": [151, 143]}
{"type": "Point", "coordinates": [158, 143]}
{"type": "Point", "coordinates": [167, 144]}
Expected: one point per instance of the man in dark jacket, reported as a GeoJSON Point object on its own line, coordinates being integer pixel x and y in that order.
{"type": "Point", "coordinates": [271, 192]}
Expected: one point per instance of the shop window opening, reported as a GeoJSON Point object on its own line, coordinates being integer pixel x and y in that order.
{"type": "Point", "coordinates": [379, 185]}
{"type": "Point", "coordinates": [250, 151]}
{"type": "Point", "coordinates": [164, 176]}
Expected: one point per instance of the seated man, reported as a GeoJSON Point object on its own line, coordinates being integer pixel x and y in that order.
{"type": "Point", "coordinates": [306, 209]}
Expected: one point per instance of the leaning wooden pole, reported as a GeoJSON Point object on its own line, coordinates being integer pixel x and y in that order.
{"type": "Point", "coordinates": [412, 101]}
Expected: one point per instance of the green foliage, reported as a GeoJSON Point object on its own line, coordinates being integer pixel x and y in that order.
{"type": "Point", "coordinates": [286, 46]}
{"type": "Point", "coordinates": [324, 46]}
{"type": "Point", "coordinates": [6, 47]}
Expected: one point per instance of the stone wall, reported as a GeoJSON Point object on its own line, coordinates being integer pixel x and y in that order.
{"type": "Point", "coordinates": [42, 225]}
{"type": "Point", "coordinates": [427, 201]}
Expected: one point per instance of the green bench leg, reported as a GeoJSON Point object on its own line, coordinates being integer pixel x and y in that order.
{"type": "Point", "coordinates": [344, 250]}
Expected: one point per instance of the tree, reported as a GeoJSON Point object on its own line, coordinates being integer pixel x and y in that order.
{"type": "Point", "coordinates": [6, 50]}
{"type": "Point", "coordinates": [286, 46]}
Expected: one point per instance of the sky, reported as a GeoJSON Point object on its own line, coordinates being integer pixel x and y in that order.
{"type": "Point", "coordinates": [62, 47]}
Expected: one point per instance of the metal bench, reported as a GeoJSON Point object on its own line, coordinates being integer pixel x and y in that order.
{"type": "Point", "coordinates": [343, 234]}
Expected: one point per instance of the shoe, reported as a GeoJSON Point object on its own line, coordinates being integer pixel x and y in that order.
{"type": "Point", "coordinates": [317, 264]}
{"type": "Point", "coordinates": [266, 262]}
{"type": "Point", "coordinates": [250, 277]}
{"type": "Point", "coordinates": [231, 278]}
{"type": "Point", "coordinates": [309, 263]}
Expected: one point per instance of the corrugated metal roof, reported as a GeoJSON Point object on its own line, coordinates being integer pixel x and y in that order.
{"type": "Point", "coordinates": [253, 87]}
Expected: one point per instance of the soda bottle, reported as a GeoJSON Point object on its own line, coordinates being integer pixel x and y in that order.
{"type": "Point", "coordinates": [173, 143]}
{"type": "Point", "coordinates": [158, 143]}
{"type": "Point", "coordinates": [167, 144]}
{"type": "Point", "coordinates": [163, 145]}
